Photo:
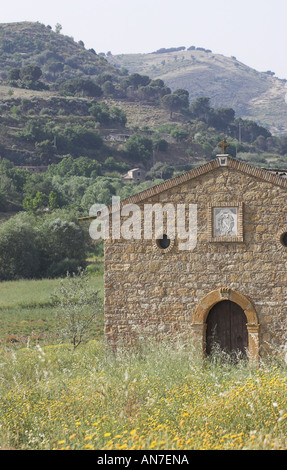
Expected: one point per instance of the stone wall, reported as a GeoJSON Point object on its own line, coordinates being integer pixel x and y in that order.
{"type": "Point", "coordinates": [149, 290]}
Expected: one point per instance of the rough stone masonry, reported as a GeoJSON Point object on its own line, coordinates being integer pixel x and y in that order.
{"type": "Point", "coordinates": [240, 256]}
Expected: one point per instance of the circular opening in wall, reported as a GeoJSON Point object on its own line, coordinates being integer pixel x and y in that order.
{"type": "Point", "coordinates": [283, 239]}
{"type": "Point", "coordinates": [164, 242]}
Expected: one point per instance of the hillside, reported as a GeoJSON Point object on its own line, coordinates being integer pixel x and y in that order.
{"type": "Point", "coordinates": [27, 43]}
{"type": "Point", "coordinates": [228, 82]}
{"type": "Point", "coordinates": [59, 100]}
{"type": "Point", "coordinates": [56, 94]}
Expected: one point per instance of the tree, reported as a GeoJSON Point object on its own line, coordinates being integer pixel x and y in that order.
{"type": "Point", "coordinates": [250, 130]}
{"type": "Point", "coordinates": [282, 143]}
{"type": "Point", "coordinates": [160, 170]}
{"type": "Point", "coordinates": [77, 306]}
{"type": "Point", "coordinates": [160, 144]}
{"type": "Point", "coordinates": [41, 246]}
{"type": "Point", "coordinates": [30, 73]}
{"type": "Point", "coordinates": [33, 204]}
{"type": "Point", "coordinates": [19, 254]}
{"type": "Point", "coordinates": [137, 80]}
{"type": "Point", "coordinates": [152, 92]}
{"type": "Point", "coordinates": [221, 118]}
{"type": "Point", "coordinates": [46, 150]}
{"type": "Point", "coordinates": [76, 138]}
{"type": "Point", "coordinates": [105, 115]}
{"type": "Point", "coordinates": [81, 86]}
{"type": "Point", "coordinates": [100, 192]}
{"type": "Point", "coordinates": [33, 131]}
{"type": "Point", "coordinates": [11, 186]}
{"type": "Point", "coordinates": [62, 246]}
{"type": "Point", "coordinates": [200, 108]}
{"type": "Point", "coordinates": [14, 74]}
{"type": "Point", "coordinates": [53, 200]}
{"type": "Point", "coordinates": [108, 88]}
{"type": "Point", "coordinates": [179, 134]}
{"type": "Point", "coordinates": [27, 77]}
{"type": "Point", "coordinates": [139, 148]}
{"type": "Point", "coordinates": [58, 28]}
{"type": "Point", "coordinates": [172, 103]}
{"type": "Point", "coordinates": [81, 166]}
{"type": "Point", "coordinates": [112, 165]}
{"type": "Point", "coordinates": [55, 68]}
{"type": "Point", "coordinates": [183, 95]}
{"type": "Point", "coordinates": [117, 116]}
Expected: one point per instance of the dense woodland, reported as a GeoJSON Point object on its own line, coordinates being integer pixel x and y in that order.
{"type": "Point", "coordinates": [60, 104]}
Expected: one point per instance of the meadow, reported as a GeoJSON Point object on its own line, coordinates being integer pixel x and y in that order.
{"type": "Point", "coordinates": [28, 314]}
{"type": "Point", "coordinates": [158, 396]}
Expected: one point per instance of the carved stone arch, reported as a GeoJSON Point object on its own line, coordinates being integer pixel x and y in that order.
{"type": "Point", "coordinates": [225, 293]}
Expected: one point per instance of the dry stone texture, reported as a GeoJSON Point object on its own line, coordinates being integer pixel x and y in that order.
{"type": "Point", "coordinates": [149, 290]}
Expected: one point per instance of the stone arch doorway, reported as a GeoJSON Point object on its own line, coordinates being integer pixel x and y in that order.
{"type": "Point", "coordinates": [199, 322]}
{"type": "Point", "coordinates": [227, 329]}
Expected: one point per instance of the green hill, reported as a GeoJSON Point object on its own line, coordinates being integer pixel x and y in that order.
{"type": "Point", "coordinates": [27, 43]}
{"type": "Point", "coordinates": [59, 100]}
{"type": "Point", "coordinates": [228, 82]}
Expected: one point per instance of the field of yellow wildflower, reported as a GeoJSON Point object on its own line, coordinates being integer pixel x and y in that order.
{"type": "Point", "coordinates": [159, 397]}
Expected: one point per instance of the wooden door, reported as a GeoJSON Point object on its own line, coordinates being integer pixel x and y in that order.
{"type": "Point", "coordinates": [226, 327]}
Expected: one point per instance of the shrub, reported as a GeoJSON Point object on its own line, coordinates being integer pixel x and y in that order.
{"type": "Point", "coordinates": [78, 304]}
{"type": "Point", "coordinates": [61, 268]}
{"type": "Point", "coordinates": [34, 247]}
{"type": "Point", "coordinates": [76, 138]}
{"type": "Point", "coordinates": [60, 240]}
{"type": "Point", "coordinates": [80, 86]}
{"type": "Point", "coordinates": [19, 255]}
{"type": "Point", "coordinates": [139, 147]}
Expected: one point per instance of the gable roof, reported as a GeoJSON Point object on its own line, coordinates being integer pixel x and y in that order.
{"type": "Point", "coordinates": [238, 165]}
{"type": "Point", "coordinates": [246, 168]}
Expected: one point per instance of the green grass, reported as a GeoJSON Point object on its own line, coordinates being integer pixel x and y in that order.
{"type": "Point", "coordinates": [28, 315]}
{"type": "Point", "coordinates": [26, 293]}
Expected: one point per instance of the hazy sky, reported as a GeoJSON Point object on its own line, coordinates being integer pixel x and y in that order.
{"type": "Point", "coordinates": [252, 30]}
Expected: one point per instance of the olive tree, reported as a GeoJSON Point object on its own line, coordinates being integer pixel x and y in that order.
{"type": "Point", "coordinates": [77, 307]}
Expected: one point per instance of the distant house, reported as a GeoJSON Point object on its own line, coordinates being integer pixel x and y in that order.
{"type": "Point", "coordinates": [136, 174]}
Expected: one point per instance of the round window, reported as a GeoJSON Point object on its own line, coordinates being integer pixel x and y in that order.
{"type": "Point", "coordinates": [283, 239]}
{"type": "Point", "coordinates": [163, 242]}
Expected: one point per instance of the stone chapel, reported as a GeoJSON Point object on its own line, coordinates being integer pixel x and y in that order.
{"type": "Point", "coordinates": [229, 287]}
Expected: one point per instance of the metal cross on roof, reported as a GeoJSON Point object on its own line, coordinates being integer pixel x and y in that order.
{"type": "Point", "coordinates": [223, 144]}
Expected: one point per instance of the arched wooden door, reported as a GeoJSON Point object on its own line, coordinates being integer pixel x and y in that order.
{"type": "Point", "coordinates": [227, 327]}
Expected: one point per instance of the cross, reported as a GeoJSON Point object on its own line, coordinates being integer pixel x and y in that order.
{"type": "Point", "coordinates": [223, 144]}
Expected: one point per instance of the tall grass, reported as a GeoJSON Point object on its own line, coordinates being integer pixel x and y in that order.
{"type": "Point", "coordinates": [159, 396]}
{"type": "Point", "coordinates": [155, 396]}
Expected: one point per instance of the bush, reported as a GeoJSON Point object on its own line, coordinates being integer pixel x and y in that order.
{"type": "Point", "coordinates": [80, 86]}
{"type": "Point", "coordinates": [60, 240]}
{"type": "Point", "coordinates": [19, 254]}
{"type": "Point", "coordinates": [34, 247]}
{"type": "Point", "coordinates": [61, 268]}
{"type": "Point", "coordinates": [107, 115]}
{"type": "Point", "coordinates": [76, 138]}
{"type": "Point", "coordinates": [139, 147]}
